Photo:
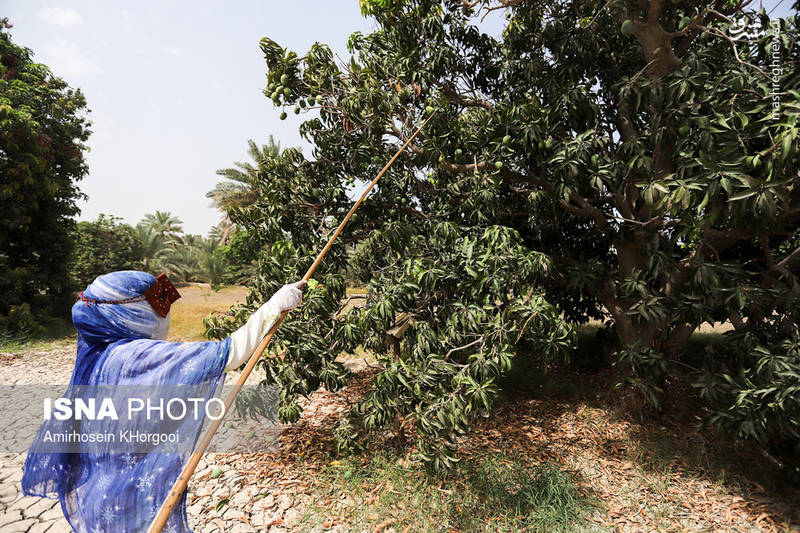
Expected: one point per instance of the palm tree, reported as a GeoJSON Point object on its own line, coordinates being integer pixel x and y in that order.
{"type": "Point", "coordinates": [193, 241]}
{"type": "Point", "coordinates": [241, 189]}
{"type": "Point", "coordinates": [215, 234]}
{"type": "Point", "coordinates": [169, 227]}
{"type": "Point", "coordinates": [213, 265]}
{"type": "Point", "coordinates": [182, 263]}
{"type": "Point", "coordinates": [154, 249]}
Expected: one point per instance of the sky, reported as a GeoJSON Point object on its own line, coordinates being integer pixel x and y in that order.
{"type": "Point", "coordinates": [175, 88]}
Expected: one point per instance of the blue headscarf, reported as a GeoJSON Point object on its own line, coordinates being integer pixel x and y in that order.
{"type": "Point", "coordinates": [118, 345]}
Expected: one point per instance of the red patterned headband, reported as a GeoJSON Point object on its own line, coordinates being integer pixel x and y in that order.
{"type": "Point", "coordinates": [160, 295]}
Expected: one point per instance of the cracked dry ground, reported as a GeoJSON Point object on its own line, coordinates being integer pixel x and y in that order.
{"type": "Point", "coordinates": [641, 478]}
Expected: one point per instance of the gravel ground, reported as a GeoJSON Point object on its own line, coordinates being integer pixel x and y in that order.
{"type": "Point", "coordinates": [248, 508]}
{"type": "Point", "coordinates": [259, 491]}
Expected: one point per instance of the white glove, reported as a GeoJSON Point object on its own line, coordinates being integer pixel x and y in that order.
{"type": "Point", "coordinates": [289, 296]}
{"type": "Point", "coordinates": [246, 338]}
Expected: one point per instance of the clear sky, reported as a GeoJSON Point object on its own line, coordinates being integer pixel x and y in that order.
{"type": "Point", "coordinates": [174, 88]}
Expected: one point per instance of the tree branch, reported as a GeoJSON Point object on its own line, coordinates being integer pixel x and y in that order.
{"type": "Point", "coordinates": [624, 122]}
{"type": "Point", "coordinates": [786, 261]}
{"type": "Point", "coordinates": [473, 343]}
{"type": "Point", "coordinates": [462, 168]}
{"type": "Point", "coordinates": [463, 100]}
{"type": "Point", "coordinates": [504, 4]}
{"type": "Point", "coordinates": [586, 210]}
{"type": "Point", "coordinates": [692, 30]}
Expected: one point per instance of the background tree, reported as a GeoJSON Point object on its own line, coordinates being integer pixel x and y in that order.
{"type": "Point", "coordinates": [103, 246]}
{"type": "Point", "coordinates": [164, 224]}
{"type": "Point", "coordinates": [242, 247]}
{"type": "Point", "coordinates": [240, 189]}
{"type": "Point", "coordinates": [184, 257]}
{"type": "Point", "coordinates": [213, 262]}
{"type": "Point", "coordinates": [42, 134]}
{"type": "Point", "coordinates": [154, 249]}
{"type": "Point", "coordinates": [629, 153]}
{"type": "Point", "coordinates": [181, 263]}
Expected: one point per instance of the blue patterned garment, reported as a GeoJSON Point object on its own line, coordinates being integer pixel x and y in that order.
{"type": "Point", "coordinates": [99, 488]}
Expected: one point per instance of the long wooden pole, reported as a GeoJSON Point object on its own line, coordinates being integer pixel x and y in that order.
{"type": "Point", "coordinates": [179, 486]}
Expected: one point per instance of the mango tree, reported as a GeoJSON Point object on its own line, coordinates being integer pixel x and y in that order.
{"type": "Point", "coordinates": [630, 161]}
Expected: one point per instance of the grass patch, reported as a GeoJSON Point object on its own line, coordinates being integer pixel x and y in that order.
{"type": "Point", "coordinates": [186, 320]}
{"type": "Point", "coordinates": [536, 498]}
{"type": "Point", "coordinates": [197, 302]}
{"type": "Point", "coordinates": [356, 291]}
{"type": "Point", "coordinates": [484, 493]}
{"type": "Point", "coordinates": [58, 333]}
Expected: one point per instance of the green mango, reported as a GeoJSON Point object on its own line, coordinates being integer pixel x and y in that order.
{"type": "Point", "coordinates": [627, 27]}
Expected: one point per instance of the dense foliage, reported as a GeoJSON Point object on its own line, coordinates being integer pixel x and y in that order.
{"type": "Point", "coordinates": [157, 244]}
{"type": "Point", "coordinates": [103, 246]}
{"type": "Point", "coordinates": [42, 134]}
{"type": "Point", "coordinates": [184, 257]}
{"type": "Point", "coordinates": [632, 161]}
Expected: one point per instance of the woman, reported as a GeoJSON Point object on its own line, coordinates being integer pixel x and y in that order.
{"type": "Point", "coordinates": [122, 320]}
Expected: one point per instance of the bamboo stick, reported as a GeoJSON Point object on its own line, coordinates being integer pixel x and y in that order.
{"type": "Point", "coordinates": [180, 484]}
